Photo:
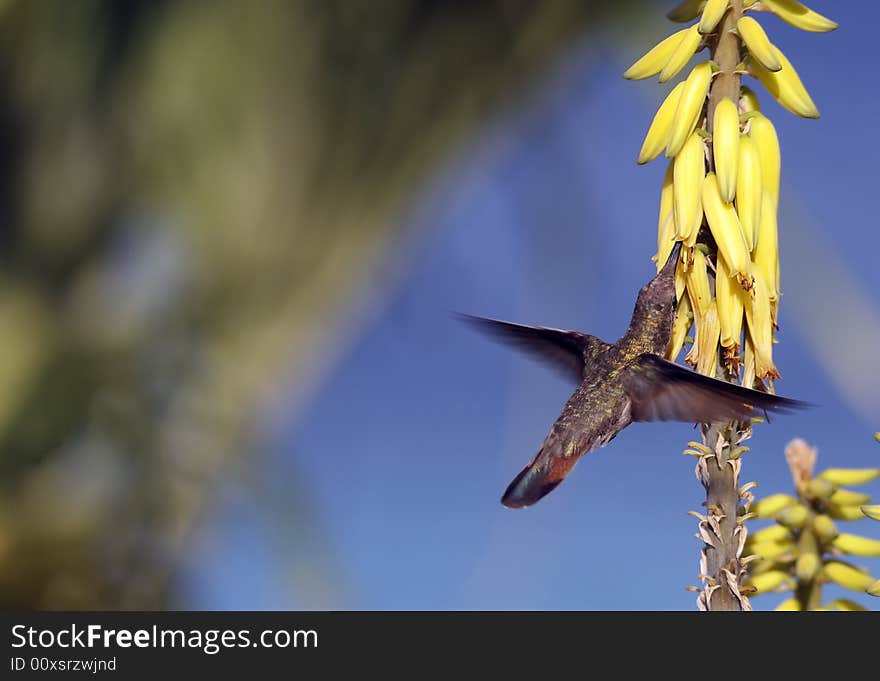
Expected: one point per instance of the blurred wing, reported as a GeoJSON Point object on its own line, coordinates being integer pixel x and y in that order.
{"type": "Point", "coordinates": [564, 350]}
{"type": "Point", "coordinates": [663, 391]}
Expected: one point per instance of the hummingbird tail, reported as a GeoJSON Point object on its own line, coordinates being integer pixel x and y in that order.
{"type": "Point", "coordinates": [538, 479]}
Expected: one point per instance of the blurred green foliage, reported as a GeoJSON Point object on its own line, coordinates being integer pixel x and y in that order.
{"type": "Point", "coordinates": [192, 194]}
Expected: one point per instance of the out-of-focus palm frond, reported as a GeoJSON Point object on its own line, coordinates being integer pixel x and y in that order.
{"type": "Point", "coordinates": [192, 193]}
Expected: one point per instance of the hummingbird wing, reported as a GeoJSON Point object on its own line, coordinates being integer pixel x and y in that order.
{"type": "Point", "coordinates": [564, 350]}
{"type": "Point", "coordinates": [663, 391]}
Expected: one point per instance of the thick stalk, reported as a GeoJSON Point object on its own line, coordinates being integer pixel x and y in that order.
{"type": "Point", "coordinates": [809, 595]}
{"type": "Point", "coordinates": [720, 474]}
{"type": "Point", "coordinates": [725, 54]}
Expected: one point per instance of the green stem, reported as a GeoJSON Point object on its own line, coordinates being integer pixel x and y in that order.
{"type": "Point", "coordinates": [808, 592]}
{"type": "Point", "coordinates": [725, 54]}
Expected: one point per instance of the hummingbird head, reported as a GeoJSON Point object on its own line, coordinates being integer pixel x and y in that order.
{"type": "Point", "coordinates": [651, 324]}
{"type": "Point", "coordinates": [661, 289]}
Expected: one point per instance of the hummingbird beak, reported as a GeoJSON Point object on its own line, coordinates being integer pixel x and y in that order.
{"type": "Point", "coordinates": [669, 267]}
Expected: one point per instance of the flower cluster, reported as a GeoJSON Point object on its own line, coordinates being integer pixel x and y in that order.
{"type": "Point", "coordinates": [805, 549]}
{"type": "Point", "coordinates": [720, 193]}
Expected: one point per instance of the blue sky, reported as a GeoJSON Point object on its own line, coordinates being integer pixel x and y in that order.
{"type": "Point", "coordinates": [544, 217]}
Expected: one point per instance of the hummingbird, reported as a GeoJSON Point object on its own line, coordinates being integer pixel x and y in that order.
{"type": "Point", "coordinates": [620, 383]}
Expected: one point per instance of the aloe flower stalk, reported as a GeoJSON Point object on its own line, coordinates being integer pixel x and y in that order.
{"type": "Point", "coordinates": [809, 546]}
{"type": "Point", "coordinates": [722, 204]}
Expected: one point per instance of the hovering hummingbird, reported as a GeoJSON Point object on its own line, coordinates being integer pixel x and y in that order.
{"type": "Point", "coordinates": [620, 383]}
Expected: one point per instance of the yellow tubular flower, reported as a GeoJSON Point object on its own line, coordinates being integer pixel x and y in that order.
{"type": "Point", "coordinates": [684, 318]}
{"type": "Point", "coordinates": [749, 370]}
{"type": "Point", "coordinates": [824, 528]}
{"type": "Point", "coordinates": [730, 299]}
{"type": "Point", "coordinates": [653, 62]}
{"type": "Point", "coordinates": [707, 341]}
{"type": "Point", "coordinates": [785, 86]}
{"type": "Point", "coordinates": [760, 325]}
{"type": "Point", "coordinates": [817, 488]}
{"type": "Point", "coordinates": [800, 16]}
{"type": "Point", "coordinates": [769, 506]}
{"type": "Point", "coordinates": [657, 136]}
{"type": "Point", "coordinates": [850, 476]}
{"type": "Point", "coordinates": [763, 134]}
{"type": "Point", "coordinates": [794, 517]}
{"type": "Point", "coordinates": [845, 497]}
{"type": "Point", "coordinates": [770, 581]}
{"type": "Point", "coordinates": [856, 545]}
{"type": "Point", "coordinates": [690, 105]}
{"type": "Point", "coordinates": [774, 533]}
{"type": "Point", "coordinates": [847, 576]}
{"type": "Point", "coordinates": [845, 605]}
{"type": "Point", "coordinates": [682, 54]}
{"type": "Point", "coordinates": [807, 566]}
{"type": "Point", "coordinates": [728, 234]}
{"type": "Point", "coordinates": [686, 11]}
{"type": "Point", "coordinates": [758, 43]}
{"type": "Point", "coordinates": [698, 285]}
{"type": "Point", "coordinates": [748, 100]}
{"type": "Point", "coordinates": [843, 512]}
{"type": "Point", "coordinates": [760, 567]}
{"type": "Point", "coordinates": [770, 550]}
{"type": "Point", "coordinates": [701, 301]}
{"type": "Point", "coordinates": [749, 190]}
{"type": "Point", "coordinates": [766, 253]}
{"type": "Point", "coordinates": [688, 173]}
{"type": "Point", "coordinates": [789, 605]}
{"type": "Point", "coordinates": [712, 13]}
{"type": "Point", "coordinates": [680, 278]}
{"type": "Point", "coordinates": [725, 147]}
{"type": "Point", "coordinates": [666, 220]}
{"type": "Point", "coordinates": [774, 304]}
